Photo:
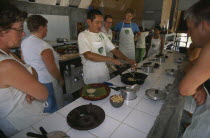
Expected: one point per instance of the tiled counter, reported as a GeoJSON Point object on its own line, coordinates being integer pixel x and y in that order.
{"type": "Point", "coordinates": [133, 120]}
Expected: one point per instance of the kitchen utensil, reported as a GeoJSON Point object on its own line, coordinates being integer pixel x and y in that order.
{"type": "Point", "coordinates": [128, 70]}
{"type": "Point", "coordinates": [116, 104]}
{"type": "Point", "coordinates": [130, 92]}
{"type": "Point", "coordinates": [115, 69]}
{"type": "Point", "coordinates": [54, 134]}
{"type": "Point", "coordinates": [86, 117]}
{"type": "Point", "coordinates": [148, 68]}
{"type": "Point", "coordinates": [161, 59]}
{"type": "Point", "coordinates": [117, 88]}
{"type": "Point", "coordinates": [155, 94]}
{"type": "Point", "coordinates": [139, 78]}
{"type": "Point", "coordinates": [171, 72]}
{"type": "Point", "coordinates": [161, 55]}
{"type": "Point", "coordinates": [153, 59]}
{"type": "Point", "coordinates": [179, 60]}
{"type": "Point", "coordinates": [148, 63]}
{"type": "Point", "coordinates": [99, 88]}
{"type": "Point", "coordinates": [156, 65]}
{"type": "Point", "coordinates": [168, 88]}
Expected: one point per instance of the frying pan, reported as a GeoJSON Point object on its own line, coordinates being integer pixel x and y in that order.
{"type": "Point", "coordinates": [86, 117]}
{"type": "Point", "coordinates": [139, 77]}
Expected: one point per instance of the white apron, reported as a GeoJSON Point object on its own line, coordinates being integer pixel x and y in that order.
{"type": "Point", "coordinates": [96, 72]}
{"type": "Point", "coordinates": [200, 126]}
{"type": "Point", "coordinates": [155, 46]}
{"type": "Point", "coordinates": [126, 42]}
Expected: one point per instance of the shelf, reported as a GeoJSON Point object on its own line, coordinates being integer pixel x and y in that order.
{"type": "Point", "coordinates": [168, 44]}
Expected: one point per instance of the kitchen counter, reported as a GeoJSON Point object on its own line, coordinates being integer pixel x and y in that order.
{"type": "Point", "coordinates": [134, 119]}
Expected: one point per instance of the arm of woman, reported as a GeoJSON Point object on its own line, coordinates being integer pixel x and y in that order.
{"type": "Point", "coordinates": [48, 58]}
{"type": "Point", "coordinates": [14, 74]}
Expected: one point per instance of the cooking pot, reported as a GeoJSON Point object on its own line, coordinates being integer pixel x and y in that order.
{"type": "Point", "coordinates": [130, 92]}
{"type": "Point", "coordinates": [139, 78]}
{"type": "Point", "coordinates": [171, 72]}
{"type": "Point", "coordinates": [148, 68]}
{"type": "Point", "coordinates": [161, 59]}
{"type": "Point", "coordinates": [153, 59]}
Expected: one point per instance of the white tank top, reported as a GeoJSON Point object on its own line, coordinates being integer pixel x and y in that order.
{"type": "Point", "coordinates": [13, 105]}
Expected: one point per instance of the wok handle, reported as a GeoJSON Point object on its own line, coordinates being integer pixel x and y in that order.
{"type": "Point", "coordinates": [44, 132]}
{"type": "Point", "coordinates": [31, 134]}
{"type": "Point", "coordinates": [108, 83]}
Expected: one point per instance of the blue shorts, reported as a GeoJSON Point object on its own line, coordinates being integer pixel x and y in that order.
{"type": "Point", "coordinates": [52, 106]}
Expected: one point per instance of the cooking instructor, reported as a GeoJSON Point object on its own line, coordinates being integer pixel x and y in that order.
{"type": "Point", "coordinates": [93, 46]}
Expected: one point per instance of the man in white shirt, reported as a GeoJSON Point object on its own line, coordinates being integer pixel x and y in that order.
{"type": "Point", "coordinates": [93, 45]}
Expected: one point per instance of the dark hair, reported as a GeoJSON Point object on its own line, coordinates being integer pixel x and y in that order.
{"type": "Point", "coordinates": [9, 14]}
{"type": "Point", "coordinates": [107, 16]}
{"type": "Point", "coordinates": [35, 21]}
{"type": "Point", "coordinates": [92, 14]}
{"type": "Point", "coordinates": [141, 29]}
{"type": "Point", "coordinates": [158, 27]}
{"type": "Point", "coordinates": [199, 12]}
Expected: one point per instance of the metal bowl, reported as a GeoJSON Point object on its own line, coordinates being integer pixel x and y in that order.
{"type": "Point", "coordinates": [171, 72]}
{"type": "Point", "coordinates": [155, 94]}
{"type": "Point", "coordinates": [148, 68]}
{"type": "Point", "coordinates": [161, 59]}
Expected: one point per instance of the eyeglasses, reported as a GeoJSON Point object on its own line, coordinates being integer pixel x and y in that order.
{"type": "Point", "coordinates": [20, 30]}
{"type": "Point", "coordinates": [108, 22]}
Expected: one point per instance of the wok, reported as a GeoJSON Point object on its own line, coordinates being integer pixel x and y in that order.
{"type": "Point", "coordinates": [139, 78]}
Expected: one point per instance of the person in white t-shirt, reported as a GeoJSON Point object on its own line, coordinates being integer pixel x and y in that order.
{"type": "Point", "coordinates": [141, 45]}
{"type": "Point", "coordinates": [41, 56]}
{"type": "Point", "coordinates": [93, 45]}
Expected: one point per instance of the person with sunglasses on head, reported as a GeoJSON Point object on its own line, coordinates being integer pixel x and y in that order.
{"type": "Point", "coordinates": [93, 48]}
{"type": "Point", "coordinates": [196, 81]}
{"type": "Point", "coordinates": [128, 30]}
{"type": "Point", "coordinates": [19, 87]}
{"type": "Point", "coordinates": [44, 59]}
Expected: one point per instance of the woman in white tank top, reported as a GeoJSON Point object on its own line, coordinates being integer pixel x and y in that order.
{"type": "Point", "coordinates": [19, 89]}
{"type": "Point", "coordinates": [156, 42]}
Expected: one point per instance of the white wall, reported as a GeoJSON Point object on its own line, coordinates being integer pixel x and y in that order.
{"type": "Point", "coordinates": [58, 27]}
